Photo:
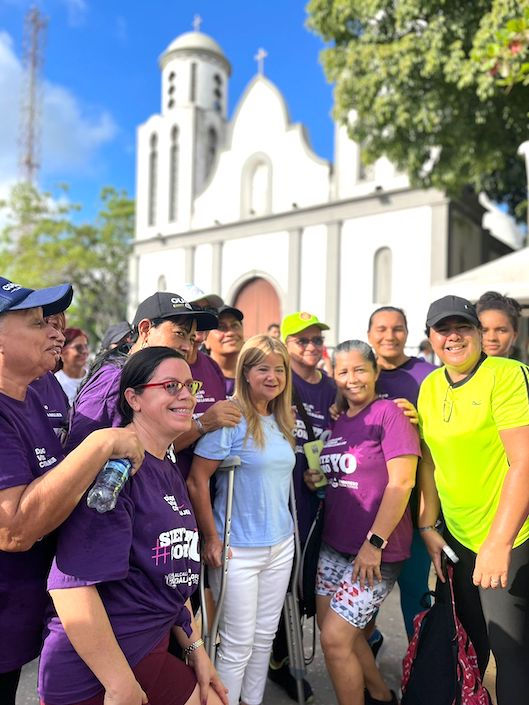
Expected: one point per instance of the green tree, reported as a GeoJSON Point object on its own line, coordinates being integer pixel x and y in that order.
{"type": "Point", "coordinates": [409, 72]}
{"type": "Point", "coordinates": [41, 245]}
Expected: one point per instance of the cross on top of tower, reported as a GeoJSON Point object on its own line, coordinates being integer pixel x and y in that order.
{"type": "Point", "coordinates": [197, 22]}
{"type": "Point", "coordinates": [260, 57]}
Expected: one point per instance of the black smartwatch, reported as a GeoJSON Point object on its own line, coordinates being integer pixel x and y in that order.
{"type": "Point", "coordinates": [376, 541]}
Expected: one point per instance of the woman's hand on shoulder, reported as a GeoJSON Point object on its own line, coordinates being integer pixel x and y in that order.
{"type": "Point", "coordinates": [409, 410]}
{"type": "Point", "coordinates": [206, 675]}
{"type": "Point", "coordinates": [334, 412]}
{"type": "Point", "coordinates": [366, 566]}
{"type": "Point", "coordinates": [123, 443]}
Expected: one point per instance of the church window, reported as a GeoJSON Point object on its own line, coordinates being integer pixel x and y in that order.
{"type": "Point", "coordinates": [382, 275]}
{"type": "Point", "coordinates": [217, 93]}
{"type": "Point", "coordinates": [211, 152]}
{"type": "Point", "coordinates": [193, 83]}
{"type": "Point", "coordinates": [171, 90]}
{"type": "Point", "coordinates": [153, 169]}
{"type": "Point", "coordinates": [173, 175]}
{"type": "Point", "coordinates": [257, 186]}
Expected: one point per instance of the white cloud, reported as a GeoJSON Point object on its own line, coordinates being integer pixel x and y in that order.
{"type": "Point", "coordinates": [70, 133]}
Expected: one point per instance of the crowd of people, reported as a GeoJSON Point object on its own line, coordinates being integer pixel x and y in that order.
{"type": "Point", "coordinates": [416, 452]}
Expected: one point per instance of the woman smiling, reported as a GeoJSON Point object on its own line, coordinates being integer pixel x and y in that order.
{"type": "Point", "coordinates": [370, 462]}
{"type": "Point", "coordinates": [121, 581]}
{"type": "Point", "coordinates": [261, 529]}
{"type": "Point", "coordinates": [474, 417]}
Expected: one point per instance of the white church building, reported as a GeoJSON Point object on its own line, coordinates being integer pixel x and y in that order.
{"type": "Point", "coordinates": [246, 209]}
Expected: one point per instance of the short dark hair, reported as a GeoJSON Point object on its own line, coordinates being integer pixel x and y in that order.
{"type": "Point", "coordinates": [389, 309]}
{"type": "Point", "coordinates": [494, 301]}
{"type": "Point", "coordinates": [138, 370]}
{"type": "Point", "coordinates": [365, 350]}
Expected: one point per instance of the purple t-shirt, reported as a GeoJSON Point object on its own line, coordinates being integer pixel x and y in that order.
{"type": "Point", "coordinates": [229, 383]}
{"type": "Point", "coordinates": [55, 403]}
{"type": "Point", "coordinates": [96, 405]}
{"type": "Point", "coordinates": [208, 372]}
{"type": "Point", "coordinates": [404, 381]}
{"type": "Point", "coordinates": [317, 399]}
{"type": "Point", "coordinates": [144, 557]}
{"type": "Point", "coordinates": [29, 448]}
{"type": "Point", "coordinates": [354, 461]}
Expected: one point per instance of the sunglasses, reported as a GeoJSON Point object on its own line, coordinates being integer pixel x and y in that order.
{"type": "Point", "coordinates": [78, 348]}
{"type": "Point", "coordinates": [174, 387]}
{"type": "Point", "coordinates": [448, 404]}
{"type": "Point", "coordinates": [316, 340]}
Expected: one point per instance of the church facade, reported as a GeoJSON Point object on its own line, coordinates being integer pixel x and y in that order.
{"type": "Point", "coordinates": [245, 208]}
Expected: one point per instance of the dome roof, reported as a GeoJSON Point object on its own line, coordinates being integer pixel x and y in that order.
{"type": "Point", "coordinates": [195, 42]}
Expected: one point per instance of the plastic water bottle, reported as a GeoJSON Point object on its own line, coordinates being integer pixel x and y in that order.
{"type": "Point", "coordinates": [111, 478]}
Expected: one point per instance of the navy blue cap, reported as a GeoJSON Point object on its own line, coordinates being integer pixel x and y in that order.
{"type": "Point", "coordinates": [53, 299]}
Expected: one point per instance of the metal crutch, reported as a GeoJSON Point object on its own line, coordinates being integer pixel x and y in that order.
{"type": "Point", "coordinates": [229, 465]}
{"type": "Point", "coordinates": [296, 655]}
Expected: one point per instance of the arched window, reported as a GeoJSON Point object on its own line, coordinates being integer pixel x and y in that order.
{"type": "Point", "coordinates": [257, 186]}
{"type": "Point", "coordinates": [173, 175]}
{"type": "Point", "coordinates": [153, 169]}
{"type": "Point", "coordinates": [217, 93]}
{"type": "Point", "coordinates": [211, 150]}
{"type": "Point", "coordinates": [382, 275]}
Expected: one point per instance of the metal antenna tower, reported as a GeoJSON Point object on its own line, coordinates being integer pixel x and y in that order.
{"type": "Point", "coordinates": [33, 56]}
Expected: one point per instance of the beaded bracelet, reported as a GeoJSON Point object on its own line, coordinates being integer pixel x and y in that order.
{"type": "Point", "coordinates": [193, 647]}
{"type": "Point", "coordinates": [426, 528]}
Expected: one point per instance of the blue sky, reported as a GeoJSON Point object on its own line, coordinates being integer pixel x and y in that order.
{"type": "Point", "coordinates": [101, 78]}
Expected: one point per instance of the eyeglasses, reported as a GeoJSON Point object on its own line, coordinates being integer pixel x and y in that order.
{"type": "Point", "coordinates": [78, 348]}
{"type": "Point", "coordinates": [448, 404]}
{"type": "Point", "coordinates": [174, 387]}
{"type": "Point", "coordinates": [316, 340]}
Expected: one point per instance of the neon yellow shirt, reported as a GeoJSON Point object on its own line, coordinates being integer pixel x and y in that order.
{"type": "Point", "coordinates": [460, 423]}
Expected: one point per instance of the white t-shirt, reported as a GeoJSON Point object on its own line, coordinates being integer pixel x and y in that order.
{"type": "Point", "coordinates": [70, 385]}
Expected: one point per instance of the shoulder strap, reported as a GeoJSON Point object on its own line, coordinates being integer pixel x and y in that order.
{"type": "Point", "coordinates": [302, 412]}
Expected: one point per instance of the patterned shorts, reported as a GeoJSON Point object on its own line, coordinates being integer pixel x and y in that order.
{"type": "Point", "coordinates": [348, 600]}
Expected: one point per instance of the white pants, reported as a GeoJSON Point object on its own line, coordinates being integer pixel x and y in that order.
{"type": "Point", "coordinates": [256, 588]}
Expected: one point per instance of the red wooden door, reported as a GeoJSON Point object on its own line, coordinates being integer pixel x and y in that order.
{"type": "Point", "coordinates": [259, 302]}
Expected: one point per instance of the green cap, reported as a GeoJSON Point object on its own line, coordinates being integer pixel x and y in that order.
{"type": "Point", "coordinates": [296, 322]}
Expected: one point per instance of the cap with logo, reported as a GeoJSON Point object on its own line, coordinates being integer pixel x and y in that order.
{"type": "Point", "coordinates": [53, 299]}
{"type": "Point", "coordinates": [194, 294]}
{"type": "Point", "coordinates": [163, 304]}
{"type": "Point", "coordinates": [450, 306]}
{"type": "Point", "coordinates": [296, 322]}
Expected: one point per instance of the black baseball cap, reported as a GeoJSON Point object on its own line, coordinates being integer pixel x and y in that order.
{"type": "Point", "coordinates": [237, 313]}
{"type": "Point", "coordinates": [450, 306]}
{"type": "Point", "coordinates": [53, 299]}
{"type": "Point", "coordinates": [163, 304]}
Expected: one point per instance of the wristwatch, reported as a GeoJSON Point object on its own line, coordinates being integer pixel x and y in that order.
{"type": "Point", "coordinates": [376, 541]}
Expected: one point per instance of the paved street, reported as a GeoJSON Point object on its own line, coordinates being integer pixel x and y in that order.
{"type": "Point", "coordinates": [390, 659]}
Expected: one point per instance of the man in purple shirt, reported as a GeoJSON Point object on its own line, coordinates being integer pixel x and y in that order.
{"type": "Point", "coordinates": [162, 319]}
{"type": "Point", "coordinates": [314, 393]}
{"type": "Point", "coordinates": [400, 377]}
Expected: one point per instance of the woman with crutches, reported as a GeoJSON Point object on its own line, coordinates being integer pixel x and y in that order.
{"type": "Point", "coordinates": [262, 545]}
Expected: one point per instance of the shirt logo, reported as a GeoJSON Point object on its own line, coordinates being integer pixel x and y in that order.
{"type": "Point", "coordinates": [180, 508]}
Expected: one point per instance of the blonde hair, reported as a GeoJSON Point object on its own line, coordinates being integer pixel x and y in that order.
{"type": "Point", "coordinates": [253, 352]}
